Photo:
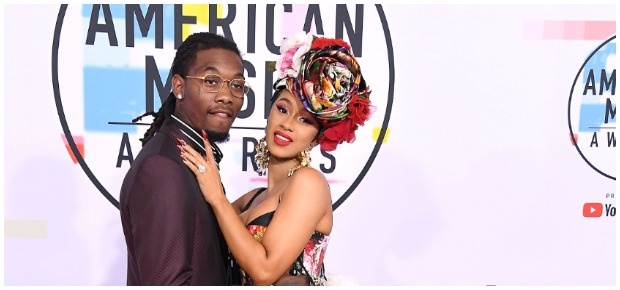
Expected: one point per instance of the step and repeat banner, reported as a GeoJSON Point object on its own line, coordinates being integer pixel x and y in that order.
{"type": "Point", "coordinates": [490, 158]}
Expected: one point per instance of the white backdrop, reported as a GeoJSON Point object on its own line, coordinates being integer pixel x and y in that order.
{"type": "Point", "coordinates": [475, 181]}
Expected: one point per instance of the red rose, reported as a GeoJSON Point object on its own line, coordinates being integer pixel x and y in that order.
{"type": "Point", "coordinates": [341, 131]}
{"type": "Point", "coordinates": [337, 133]}
{"type": "Point", "coordinates": [327, 145]}
{"type": "Point", "coordinates": [322, 42]}
{"type": "Point", "coordinates": [359, 109]}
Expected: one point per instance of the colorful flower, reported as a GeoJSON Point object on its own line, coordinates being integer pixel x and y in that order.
{"type": "Point", "coordinates": [325, 75]}
{"type": "Point", "coordinates": [291, 51]}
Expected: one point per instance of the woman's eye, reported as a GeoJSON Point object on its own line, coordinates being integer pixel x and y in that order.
{"type": "Point", "coordinates": [307, 121]}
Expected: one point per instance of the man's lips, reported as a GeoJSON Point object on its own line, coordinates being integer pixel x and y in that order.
{"type": "Point", "coordinates": [221, 113]}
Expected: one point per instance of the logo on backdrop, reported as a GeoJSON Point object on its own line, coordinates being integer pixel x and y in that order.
{"type": "Point", "coordinates": [592, 110]}
{"type": "Point", "coordinates": [110, 64]}
{"type": "Point", "coordinates": [597, 209]}
{"type": "Point", "coordinates": [592, 209]}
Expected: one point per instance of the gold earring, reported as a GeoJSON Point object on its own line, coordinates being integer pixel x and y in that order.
{"type": "Point", "coordinates": [304, 157]}
{"type": "Point", "coordinates": [262, 157]}
{"type": "Point", "coordinates": [304, 160]}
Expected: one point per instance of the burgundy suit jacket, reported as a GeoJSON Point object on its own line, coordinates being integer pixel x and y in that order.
{"type": "Point", "coordinates": [171, 232]}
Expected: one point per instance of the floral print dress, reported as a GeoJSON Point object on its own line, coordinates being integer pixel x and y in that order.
{"type": "Point", "coordinates": [308, 263]}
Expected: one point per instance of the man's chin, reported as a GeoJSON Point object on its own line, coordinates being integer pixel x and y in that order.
{"type": "Point", "coordinates": [218, 137]}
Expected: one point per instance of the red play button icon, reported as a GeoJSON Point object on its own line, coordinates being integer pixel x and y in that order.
{"type": "Point", "coordinates": [592, 209]}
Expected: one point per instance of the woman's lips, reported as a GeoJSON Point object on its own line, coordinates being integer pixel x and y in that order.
{"type": "Point", "coordinates": [281, 139]}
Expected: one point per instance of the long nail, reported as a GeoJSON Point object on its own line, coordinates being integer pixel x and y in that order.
{"type": "Point", "coordinates": [181, 148]}
{"type": "Point", "coordinates": [204, 134]}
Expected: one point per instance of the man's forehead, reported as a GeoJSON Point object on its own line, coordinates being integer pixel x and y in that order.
{"type": "Point", "coordinates": [218, 61]}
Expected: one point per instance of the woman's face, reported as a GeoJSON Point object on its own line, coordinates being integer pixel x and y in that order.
{"type": "Point", "coordinates": [290, 127]}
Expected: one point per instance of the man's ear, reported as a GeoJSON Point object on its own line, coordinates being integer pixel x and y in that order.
{"type": "Point", "coordinates": [178, 85]}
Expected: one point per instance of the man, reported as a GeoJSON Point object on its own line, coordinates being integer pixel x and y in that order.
{"type": "Point", "coordinates": [171, 233]}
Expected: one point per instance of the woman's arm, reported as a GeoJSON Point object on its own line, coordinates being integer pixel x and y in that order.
{"type": "Point", "coordinates": [293, 223]}
{"type": "Point", "coordinates": [303, 205]}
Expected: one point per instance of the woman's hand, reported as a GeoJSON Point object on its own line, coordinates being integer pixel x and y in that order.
{"type": "Point", "coordinates": [205, 169]}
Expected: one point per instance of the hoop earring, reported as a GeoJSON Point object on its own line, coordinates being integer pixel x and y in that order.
{"type": "Point", "coordinates": [304, 160]}
{"type": "Point", "coordinates": [262, 157]}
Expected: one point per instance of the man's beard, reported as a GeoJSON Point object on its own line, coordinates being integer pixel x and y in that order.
{"type": "Point", "coordinates": [218, 137]}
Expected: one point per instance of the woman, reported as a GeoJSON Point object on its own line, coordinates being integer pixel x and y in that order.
{"type": "Point", "coordinates": [320, 98]}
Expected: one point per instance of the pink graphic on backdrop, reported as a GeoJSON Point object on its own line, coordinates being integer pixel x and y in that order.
{"type": "Point", "coordinates": [264, 180]}
{"type": "Point", "coordinates": [574, 30]}
{"type": "Point", "coordinates": [553, 30]}
{"type": "Point", "coordinates": [293, 22]}
{"type": "Point", "coordinates": [568, 30]}
{"type": "Point", "coordinates": [599, 30]}
{"type": "Point", "coordinates": [574, 139]}
{"type": "Point", "coordinates": [79, 142]}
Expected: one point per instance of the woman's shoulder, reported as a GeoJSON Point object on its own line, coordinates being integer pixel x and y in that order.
{"type": "Point", "coordinates": [308, 179]}
{"type": "Point", "coordinates": [308, 175]}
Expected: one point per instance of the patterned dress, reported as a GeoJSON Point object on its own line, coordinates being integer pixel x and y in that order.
{"type": "Point", "coordinates": [310, 260]}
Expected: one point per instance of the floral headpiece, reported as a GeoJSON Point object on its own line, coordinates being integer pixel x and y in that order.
{"type": "Point", "coordinates": [325, 75]}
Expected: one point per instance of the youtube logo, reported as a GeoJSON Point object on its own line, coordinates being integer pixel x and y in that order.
{"type": "Point", "coordinates": [592, 209]}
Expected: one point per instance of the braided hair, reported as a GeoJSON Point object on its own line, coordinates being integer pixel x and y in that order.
{"type": "Point", "coordinates": [183, 60]}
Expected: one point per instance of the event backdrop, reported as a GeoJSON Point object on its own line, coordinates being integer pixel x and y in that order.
{"type": "Point", "coordinates": [490, 158]}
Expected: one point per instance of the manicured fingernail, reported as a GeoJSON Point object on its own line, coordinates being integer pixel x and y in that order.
{"type": "Point", "coordinates": [180, 148]}
{"type": "Point", "coordinates": [204, 135]}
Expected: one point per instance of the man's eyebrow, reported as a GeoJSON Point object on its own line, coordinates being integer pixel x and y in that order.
{"type": "Point", "coordinates": [209, 68]}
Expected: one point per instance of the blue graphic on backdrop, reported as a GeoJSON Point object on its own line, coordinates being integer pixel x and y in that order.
{"type": "Point", "coordinates": [592, 115]}
{"type": "Point", "coordinates": [116, 93]}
